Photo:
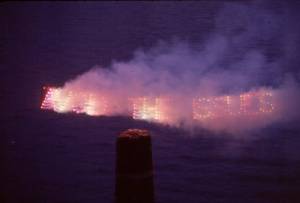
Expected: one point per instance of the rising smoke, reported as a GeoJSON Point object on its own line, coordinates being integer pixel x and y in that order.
{"type": "Point", "coordinates": [246, 51]}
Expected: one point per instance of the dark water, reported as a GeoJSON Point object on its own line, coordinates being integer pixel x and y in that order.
{"type": "Point", "coordinates": [65, 158]}
{"type": "Point", "coordinates": [50, 157]}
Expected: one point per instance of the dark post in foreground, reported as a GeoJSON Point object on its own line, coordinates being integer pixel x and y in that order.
{"type": "Point", "coordinates": [134, 175]}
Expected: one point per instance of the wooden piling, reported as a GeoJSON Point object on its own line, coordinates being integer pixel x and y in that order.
{"type": "Point", "coordinates": [134, 167]}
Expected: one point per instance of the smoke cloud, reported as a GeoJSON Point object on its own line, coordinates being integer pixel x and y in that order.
{"type": "Point", "coordinates": [246, 52]}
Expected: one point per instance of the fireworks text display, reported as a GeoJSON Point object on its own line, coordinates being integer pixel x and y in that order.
{"type": "Point", "coordinates": [160, 109]}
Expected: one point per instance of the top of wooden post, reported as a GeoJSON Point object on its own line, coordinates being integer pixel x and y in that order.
{"type": "Point", "coordinates": [134, 133]}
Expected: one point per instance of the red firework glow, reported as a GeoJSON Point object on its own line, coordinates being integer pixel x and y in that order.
{"type": "Point", "coordinates": [254, 103]}
{"type": "Point", "coordinates": [61, 101]}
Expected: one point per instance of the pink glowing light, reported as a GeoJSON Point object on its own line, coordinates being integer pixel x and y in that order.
{"type": "Point", "coordinates": [160, 109]}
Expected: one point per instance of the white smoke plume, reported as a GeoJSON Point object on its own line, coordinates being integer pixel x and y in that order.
{"type": "Point", "coordinates": [245, 52]}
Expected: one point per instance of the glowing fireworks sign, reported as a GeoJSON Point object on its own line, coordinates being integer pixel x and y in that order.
{"type": "Point", "coordinates": [254, 103]}
{"type": "Point", "coordinates": [146, 108]}
{"type": "Point", "coordinates": [61, 101]}
{"type": "Point", "coordinates": [247, 104]}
